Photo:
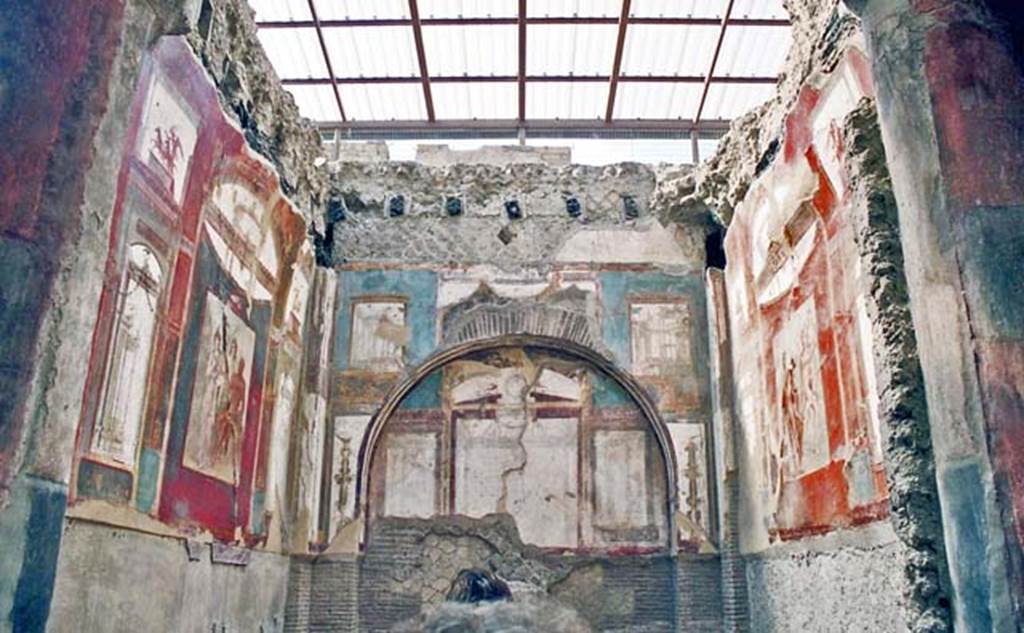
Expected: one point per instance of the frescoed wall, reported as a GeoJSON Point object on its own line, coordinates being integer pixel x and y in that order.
{"type": "Point", "coordinates": [195, 361]}
{"type": "Point", "coordinates": [521, 433]}
{"type": "Point", "coordinates": [647, 322]}
{"type": "Point", "coordinates": [803, 359]}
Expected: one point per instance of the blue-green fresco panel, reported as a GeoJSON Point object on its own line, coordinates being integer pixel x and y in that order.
{"type": "Point", "coordinates": [418, 287]}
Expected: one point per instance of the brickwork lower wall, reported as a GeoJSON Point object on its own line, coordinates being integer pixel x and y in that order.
{"type": "Point", "coordinates": [300, 586]}
{"type": "Point", "coordinates": [334, 599]}
{"type": "Point", "coordinates": [699, 594]}
{"type": "Point", "coordinates": [407, 566]}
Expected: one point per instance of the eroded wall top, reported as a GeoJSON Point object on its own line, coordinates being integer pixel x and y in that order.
{"type": "Point", "coordinates": [507, 216]}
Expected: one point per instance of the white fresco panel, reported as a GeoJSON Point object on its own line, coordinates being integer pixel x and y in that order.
{"type": "Point", "coordinates": [691, 476]}
{"type": "Point", "coordinates": [167, 138]}
{"type": "Point", "coordinates": [524, 468]}
{"type": "Point", "coordinates": [620, 479]}
{"type": "Point", "coordinates": [117, 431]}
{"type": "Point", "coordinates": [410, 475]}
{"type": "Point", "coordinates": [800, 429]}
{"type": "Point", "coordinates": [378, 335]}
{"type": "Point", "coordinates": [543, 494]}
{"type": "Point", "coordinates": [348, 436]}
{"type": "Point", "coordinates": [660, 338]}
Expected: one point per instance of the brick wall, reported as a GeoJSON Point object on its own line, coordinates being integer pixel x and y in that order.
{"type": "Point", "coordinates": [699, 594]}
{"type": "Point", "coordinates": [407, 566]}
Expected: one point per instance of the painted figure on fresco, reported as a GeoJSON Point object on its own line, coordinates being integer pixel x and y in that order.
{"type": "Point", "coordinates": [167, 139]}
{"type": "Point", "coordinates": [379, 335]}
{"type": "Point", "coordinates": [118, 428]}
{"type": "Point", "coordinates": [167, 146]}
{"type": "Point", "coordinates": [693, 480]}
{"type": "Point", "coordinates": [792, 415]}
{"type": "Point", "coordinates": [231, 404]}
{"type": "Point", "coordinates": [798, 436]}
{"type": "Point", "coordinates": [224, 360]}
{"type": "Point", "coordinates": [659, 338]}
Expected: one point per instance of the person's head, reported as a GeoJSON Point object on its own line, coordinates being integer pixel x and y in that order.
{"type": "Point", "coordinates": [477, 585]}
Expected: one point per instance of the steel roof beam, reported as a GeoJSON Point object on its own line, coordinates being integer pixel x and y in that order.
{"type": "Point", "coordinates": [714, 61]}
{"type": "Point", "coordinates": [514, 21]}
{"type": "Point", "coordinates": [327, 59]}
{"type": "Point", "coordinates": [620, 44]}
{"type": "Point", "coordinates": [417, 33]}
{"type": "Point", "coordinates": [488, 79]}
{"type": "Point", "coordinates": [509, 128]}
{"type": "Point", "coordinates": [522, 59]}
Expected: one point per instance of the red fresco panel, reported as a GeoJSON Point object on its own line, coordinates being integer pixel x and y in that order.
{"type": "Point", "coordinates": [818, 501]}
{"type": "Point", "coordinates": [177, 186]}
{"type": "Point", "coordinates": [976, 96]}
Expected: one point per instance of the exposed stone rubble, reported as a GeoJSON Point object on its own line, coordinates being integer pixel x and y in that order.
{"type": "Point", "coordinates": [821, 30]}
{"type": "Point", "coordinates": [422, 557]}
{"type": "Point", "coordinates": [554, 204]}
{"type": "Point", "coordinates": [224, 37]}
{"type": "Point", "coordinates": [907, 434]}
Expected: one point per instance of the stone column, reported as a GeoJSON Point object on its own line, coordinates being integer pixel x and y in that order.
{"type": "Point", "coordinates": [726, 478]}
{"type": "Point", "coordinates": [951, 105]}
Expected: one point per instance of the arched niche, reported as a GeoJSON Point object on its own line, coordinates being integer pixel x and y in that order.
{"type": "Point", "coordinates": [640, 427]}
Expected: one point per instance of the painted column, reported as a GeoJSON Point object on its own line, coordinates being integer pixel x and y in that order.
{"type": "Point", "coordinates": [735, 600]}
{"type": "Point", "coordinates": [951, 104]}
{"type": "Point", "coordinates": [50, 120]}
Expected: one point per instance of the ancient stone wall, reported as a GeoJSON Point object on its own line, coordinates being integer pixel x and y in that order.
{"type": "Point", "coordinates": [115, 579]}
{"type": "Point", "coordinates": [138, 204]}
{"type": "Point", "coordinates": [822, 381]}
{"type": "Point", "coordinates": [950, 84]}
{"type": "Point", "coordinates": [434, 258]}
{"type": "Point", "coordinates": [409, 565]}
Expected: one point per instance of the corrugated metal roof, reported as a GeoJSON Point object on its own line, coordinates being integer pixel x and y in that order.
{"type": "Point", "coordinates": [315, 102]}
{"type": "Point", "coordinates": [471, 50]}
{"type": "Point", "coordinates": [569, 49]}
{"type": "Point", "coordinates": [474, 101]}
{"type": "Point", "coordinates": [375, 51]}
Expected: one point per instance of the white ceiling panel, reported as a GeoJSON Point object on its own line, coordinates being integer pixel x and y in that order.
{"type": "Point", "coordinates": [467, 8]}
{"type": "Point", "coordinates": [728, 101]}
{"type": "Point", "coordinates": [772, 9]}
{"type": "Point", "coordinates": [280, 10]}
{"type": "Point", "coordinates": [362, 9]}
{"type": "Point", "coordinates": [562, 100]}
{"type": "Point", "coordinates": [383, 102]}
{"type": "Point", "coordinates": [570, 8]}
{"type": "Point", "coordinates": [295, 53]}
{"type": "Point", "coordinates": [753, 51]}
{"type": "Point", "coordinates": [639, 100]}
{"type": "Point", "coordinates": [668, 50]}
{"type": "Point", "coordinates": [476, 101]}
{"type": "Point", "coordinates": [570, 49]}
{"type": "Point", "coordinates": [377, 51]}
{"type": "Point", "coordinates": [678, 8]}
{"type": "Point", "coordinates": [315, 102]}
{"type": "Point", "coordinates": [471, 50]}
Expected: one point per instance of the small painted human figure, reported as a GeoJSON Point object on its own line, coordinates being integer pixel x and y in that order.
{"type": "Point", "coordinates": [792, 413]}
{"type": "Point", "coordinates": [228, 419]}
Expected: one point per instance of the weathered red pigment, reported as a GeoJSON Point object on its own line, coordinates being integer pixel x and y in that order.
{"type": "Point", "coordinates": [976, 98]}
{"type": "Point", "coordinates": [821, 500]}
{"type": "Point", "coordinates": [79, 40]}
{"type": "Point", "coordinates": [188, 498]}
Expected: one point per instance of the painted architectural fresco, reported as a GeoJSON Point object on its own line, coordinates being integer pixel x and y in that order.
{"type": "Point", "coordinates": [804, 369]}
{"type": "Point", "coordinates": [197, 346]}
{"type": "Point", "coordinates": [649, 323]}
{"type": "Point", "coordinates": [519, 431]}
